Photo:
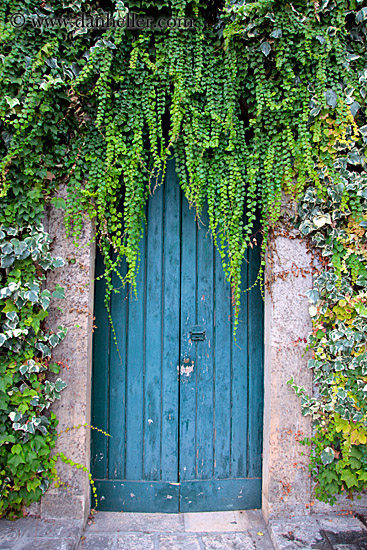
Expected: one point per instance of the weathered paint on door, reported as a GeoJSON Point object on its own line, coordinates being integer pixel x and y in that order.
{"type": "Point", "coordinates": [185, 417]}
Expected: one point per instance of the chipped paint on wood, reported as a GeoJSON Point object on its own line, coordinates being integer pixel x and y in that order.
{"type": "Point", "coordinates": [187, 369]}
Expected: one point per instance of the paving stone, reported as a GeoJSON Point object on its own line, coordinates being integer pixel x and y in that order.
{"type": "Point", "coordinates": [46, 528]}
{"type": "Point", "coordinates": [96, 542]}
{"type": "Point", "coordinates": [235, 541]}
{"type": "Point", "coordinates": [8, 534]}
{"type": "Point", "coordinates": [338, 524]}
{"type": "Point", "coordinates": [358, 538]}
{"type": "Point", "coordinates": [132, 541]}
{"type": "Point", "coordinates": [295, 533]}
{"type": "Point", "coordinates": [261, 541]}
{"type": "Point", "coordinates": [47, 544]}
{"type": "Point", "coordinates": [255, 519]}
{"type": "Point", "coordinates": [10, 531]}
{"type": "Point", "coordinates": [112, 522]}
{"type": "Point", "coordinates": [216, 522]}
{"type": "Point", "coordinates": [178, 542]}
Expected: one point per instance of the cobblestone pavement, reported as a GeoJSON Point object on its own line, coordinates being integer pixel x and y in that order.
{"type": "Point", "coordinates": [195, 531]}
{"type": "Point", "coordinates": [205, 531]}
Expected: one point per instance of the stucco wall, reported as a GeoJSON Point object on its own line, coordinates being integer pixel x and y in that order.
{"type": "Point", "coordinates": [72, 500]}
{"type": "Point", "coordinates": [286, 483]}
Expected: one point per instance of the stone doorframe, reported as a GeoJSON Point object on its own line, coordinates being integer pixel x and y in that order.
{"type": "Point", "coordinates": [286, 483]}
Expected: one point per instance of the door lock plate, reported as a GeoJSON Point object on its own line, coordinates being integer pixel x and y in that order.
{"type": "Point", "coordinates": [197, 333]}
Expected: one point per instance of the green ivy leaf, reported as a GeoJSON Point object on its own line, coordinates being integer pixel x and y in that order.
{"type": "Point", "coordinates": [59, 292]}
{"type": "Point", "coordinates": [349, 477]}
{"type": "Point", "coordinates": [58, 202]}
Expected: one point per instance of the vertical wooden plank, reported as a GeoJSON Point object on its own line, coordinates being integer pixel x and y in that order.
{"type": "Point", "coordinates": [171, 326]}
{"type": "Point", "coordinates": [256, 366]}
{"type": "Point", "coordinates": [204, 362]}
{"type": "Point", "coordinates": [101, 343]}
{"type": "Point", "coordinates": [153, 338]}
{"type": "Point", "coordinates": [187, 444]}
{"type": "Point", "coordinates": [134, 375]}
{"type": "Point", "coordinates": [222, 393]}
{"type": "Point", "coordinates": [117, 400]}
{"type": "Point", "coordinates": [240, 387]}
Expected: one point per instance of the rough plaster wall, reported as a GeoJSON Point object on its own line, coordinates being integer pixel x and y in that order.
{"type": "Point", "coordinates": [286, 485]}
{"type": "Point", "coordinates": [74, 405]}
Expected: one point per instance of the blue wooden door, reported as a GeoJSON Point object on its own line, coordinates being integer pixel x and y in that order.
{"type": "Point", "coordinates": [181, 400]}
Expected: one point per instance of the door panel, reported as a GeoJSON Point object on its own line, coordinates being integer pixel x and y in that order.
{"type": "Point", "coordinates": [184, 416]}
{"type": "Point", "coordinates": [133, 363]}
{"type": "Point", "coordinates": [100, 394]}
{"type": "Point", "coordinates": [153, 390]}
{"type": "Point", "coordinates": [188, 393]}
{"type": "Point", "coordinates": [171, 325]}
{"type": "Point", "coordinates": [117, 390]}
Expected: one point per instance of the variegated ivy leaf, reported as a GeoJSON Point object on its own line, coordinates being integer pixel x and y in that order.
{"type": "Point", "coordinates": [312, 311]}
{"type": "Point", "coordinates": [9, 290]}
{"type": "Point", "coordinates": [265, 48]}
{"type": "Point", "coordinates": [45, 299]}
{"type": "Point", "coordinates": [61, 332]}
{"type": "Point", "coordinates": [7, 261]}
{"type": "Point", "coordinates": [45, 350]}
{"type": "Point", "coordinates": [53, 340]}
{"type": "Point", "coordinates": [15, 333]}
{"type": "Point", "coordinates": [361, 309]}
{"type": "Point", "coordinates": [327, 455]}
{"type": "Point", "coordinates": [313, 295]}
{"type": "Point", "coordinates": [12, 316]}
{"type": "Point", "coordinates": [60, 385]}
{"type": "Point", "coordinates": [31, 296]}
{"type": "Point", "coordinates": [32, 366]}
{"type": "Point", "coordinates": [320, 221]}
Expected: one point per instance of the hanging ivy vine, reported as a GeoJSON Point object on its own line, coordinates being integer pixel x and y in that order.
{"type": "Point", "coordinates": [260, 98]}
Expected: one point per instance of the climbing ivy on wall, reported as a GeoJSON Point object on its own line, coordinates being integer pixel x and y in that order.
{"type": "Point", "coordinates": [308, 104]}
{"type": "Point", "coordinates": [258, 99]}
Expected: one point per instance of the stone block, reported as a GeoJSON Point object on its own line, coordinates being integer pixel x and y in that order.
{"type": "Point", "coordinates": [209, 522]}
{"type": "Point", "coordinates": [96, 542]}
{"type": "Point", "coordinates": [119, 522]}
{"type": "Point", "coordinates": [178, 542]}
{"type": "Point", "coordinates": [58, 504]}
{"type": "Point", "coordinates": [47, 544]}
{"type": "Point", "coordinates": [9, 534]}
{"type": "Point", "coordinates": [340, 524]}
{"type": "Point", "coordinates": [346, 547]}
{"type": "Point", "coordinates": [58, 529]}
{"type": "Point", "coordinates": [261, 539]}
{"type": "Point", "coordinates": [135, 542]}
{"type": "Point", "coordinates": [297, 533]}
{"type": "Point", "coordinates": [233, 541]}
